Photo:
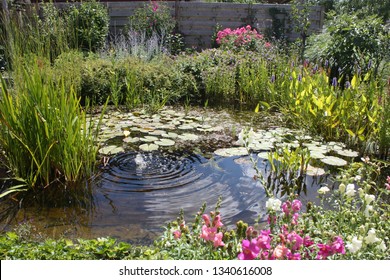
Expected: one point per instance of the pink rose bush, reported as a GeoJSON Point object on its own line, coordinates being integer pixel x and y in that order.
{"type": "Point", "coordinates": [244, 38]}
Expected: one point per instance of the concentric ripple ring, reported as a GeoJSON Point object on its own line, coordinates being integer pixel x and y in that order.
{"type": "Point", "coordinates": [145, 172]}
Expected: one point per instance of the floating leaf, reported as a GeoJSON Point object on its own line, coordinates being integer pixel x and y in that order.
{"type": "Point", "coordinates": [314, 171]}
{"type": "Point", "coordinates": [316, 155]}
{"type": "Point", "coordinates": [263, 155]}
{"type": "Point", "coordinates": [111, 150]}
{"type": "Point", "coordinates": [347, 153]}
{"type": "Point", "coordinates": [170, 135]}
{"type": "Point", "coordinates": [165, 142]}
{"type": "Point", "coordinates": [157, 132]}
{"type": "Point", "coordinates": [149, 138]}
{"type": "Point", "coordinates": [335, 161]}
{"type": "Point", "coordinates": [131, 140]}
{"type": "Point", "coordinates": [229, 152]}
{"type": "Point", "coordinates": [148, 147]}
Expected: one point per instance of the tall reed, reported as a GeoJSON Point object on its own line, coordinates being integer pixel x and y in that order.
{"type": "Point", "coordinates": [44, 131]}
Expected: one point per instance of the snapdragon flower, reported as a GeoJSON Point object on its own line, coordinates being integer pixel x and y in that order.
{"type": "Point", "coordinates": [354, 245]}
{"type": "Point", "coordinates": [371, 237]}
{"type": "Point", "coordinates": [323, 190]}
{"type": "Point", "coordinates": [273, 204]}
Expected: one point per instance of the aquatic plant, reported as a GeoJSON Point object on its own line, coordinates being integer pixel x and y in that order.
{"type": "Point", "coordinates": [44, 132]}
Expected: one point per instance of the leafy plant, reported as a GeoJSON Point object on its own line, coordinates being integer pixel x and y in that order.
{"type": "Point", "coordinates": [44, 131]}
{"type": "Point", "coordinates": [154, 19]}
{"type": "Point", "coordinates": [88, 23]}
{"type": "Point", "coordinates": [352, 43]}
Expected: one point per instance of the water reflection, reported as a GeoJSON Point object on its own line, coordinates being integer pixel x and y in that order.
{"type": "Point", "coordinates": [136, 194]}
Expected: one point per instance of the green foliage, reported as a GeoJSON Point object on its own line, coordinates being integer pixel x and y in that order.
{"type": "Point", "coordinates": [351, 115]}
{"type": "Point", "coordinates": [43, 130]}
{"type": "Point", "coordinates": [88, 23]}
{"type": "Point", "coordinates": [154, 18]}
{"type": "Point", "coordinates": [352, 43]}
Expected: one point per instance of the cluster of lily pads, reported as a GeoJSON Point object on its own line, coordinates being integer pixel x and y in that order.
{"type": "Point", "coordinates": [143, 132]}
{"type": "Point", "coordinates": [139, 131]}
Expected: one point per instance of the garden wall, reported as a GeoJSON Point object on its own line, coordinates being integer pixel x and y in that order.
{"type": "Point", "coordinates": [197, 20]}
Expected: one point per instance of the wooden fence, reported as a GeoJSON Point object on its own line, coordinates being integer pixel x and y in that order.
{"type": "Point", "coordinates": [197, 20]}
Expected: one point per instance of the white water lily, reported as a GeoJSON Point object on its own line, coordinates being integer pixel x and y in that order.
{"type": "Point", "coordinates": [350, 190]}
{"type": "Point", "coordinates": [323, 190]}
{"type": "Point", "coordinates": [371, 237]}
{"type": "Point", "coordinates": [355, 245]}
{"type": "Point", "coordinates": [273, 204]}
{"type": "Point", "coordinates": [368, 198]}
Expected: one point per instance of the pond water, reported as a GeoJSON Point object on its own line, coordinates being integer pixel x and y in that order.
{"type": "Point", "coordinates": [138, 190]}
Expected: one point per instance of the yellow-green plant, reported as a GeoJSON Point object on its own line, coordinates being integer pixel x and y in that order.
{"type": "Point", "coordinates": [350, 115]}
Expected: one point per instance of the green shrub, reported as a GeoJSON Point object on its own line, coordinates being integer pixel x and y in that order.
{"type": "Point", "coordinates": [152, 18]}
{"type": "Point", "coordinates": [88, 25]}
{"type": "Point", "coordinates": [352, 43]}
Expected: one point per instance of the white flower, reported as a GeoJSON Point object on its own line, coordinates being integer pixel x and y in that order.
{"type": "Point", "coordinates": [350, 191]}
{"type": "Point", "coordinates": [273, 204]}
{"type": "Point", "coordinates": [369, 198]}
{"type": "Point", "coordinates": [355, 245]}
{"type": "Point", "coordinates": [382, 246]}
{"type": "Point", "coordinates": [245, 137]}
{"type": "Point", "coordinates": [367, 211]}
{"type": "Point", "coordinates": [342, 188]}
{"type": "Point", "coordinates": [323, 190]}
{"type": "Point", "coordinates": [371, 237]}
{"type": "Point", "coordinates": [358, 178]}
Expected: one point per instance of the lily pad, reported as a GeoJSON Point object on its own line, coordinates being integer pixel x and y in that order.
{"type": "Point", "coordinates": [347, 153]}
{"type": "Point", "coordinates": [334, 161]}
{"type": "Point", "coordinates": [186, 127]}
{"type": "Point", "coordinates": [170, 135]}
{"type": "Point", "coordinates": [230, 152]}
{"type": "Point", "coordinates": [148, 147]}
{"type": "Point", "coordinates": [149, 138]}
{"type": "Point", "coordinates": [263, 155]}
{"type": "Point", "coordinates": [316, 155]}
{"type": "Point", "coordinates": [111, 150]}
{"type": "Point", "coordinates": [165, 142]}
{"type": "Point", "coordinates": [314, 171]}
{"type": "Point", "coordinates": [131, 139]}
{"type": "Point", "coordinates": [157, 132]}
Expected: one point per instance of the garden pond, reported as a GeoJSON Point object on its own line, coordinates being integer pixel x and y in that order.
{"type": "Point", "coordinates": [154, 165]}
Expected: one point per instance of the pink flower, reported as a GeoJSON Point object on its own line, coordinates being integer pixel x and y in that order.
{"type": "Point", "coordinates": [307, 242]}
{"type": "Point", "coordinates": [295, 219]}
{"type": "Point", "coordinates": [264, 240]}
{"type": "Point", "coordinates": [250, 250]}
{"type": "Point", "coordinates": [206, 219]}
{"type": "Point", "coordinates": [295, 256]}
{"type": "Point", "coordinates": [324, 252]}
{"type": "Point", "coordinates": [286, 207]}
{"type": "Point", "coordinates": [296, 205]}
{"type": "Point", "coordinates": [338, 245]}
{"type": "Point", "coordinates": [177, 234]}
{"type": "Point", "coordinates": [387, 185]}
{"type": "Point", "coordinates": [280, 251]}
{"type": "Point", "coordinates": [210, 234]}
{"type": "Point", "coordinates": [267, 45]}
{"type": "Point", "coordinates": [217, 221]}
{"type": "Point", "coordinates": [155, 6]}
{"type": "Point", "coordinates": [295, 240]}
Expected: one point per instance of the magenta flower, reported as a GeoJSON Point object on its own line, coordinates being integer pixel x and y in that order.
{"type": "Point", "coordinates": [264, 240]}
{"type": "Point", "coordinates": [250, 250]}
{"type": "Point", "coordinates": [296, 205]}
{"type": "Point", "coordinates": [307, 242]}
{"type": "Point", "coordinates": [295, 219]}
{"type": "Point", "coordinates": [295, 240]}
{"type": "Point", "coordinates": [324, 252]}
{"type": "Point", "coordinates": [295, 256]}
{"type": "Point", "coordinates": [387, 185]}
{"type": "Point", "coordinates": [286, 206]}
{"type": "Point", "coordinates": [338, 245]}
